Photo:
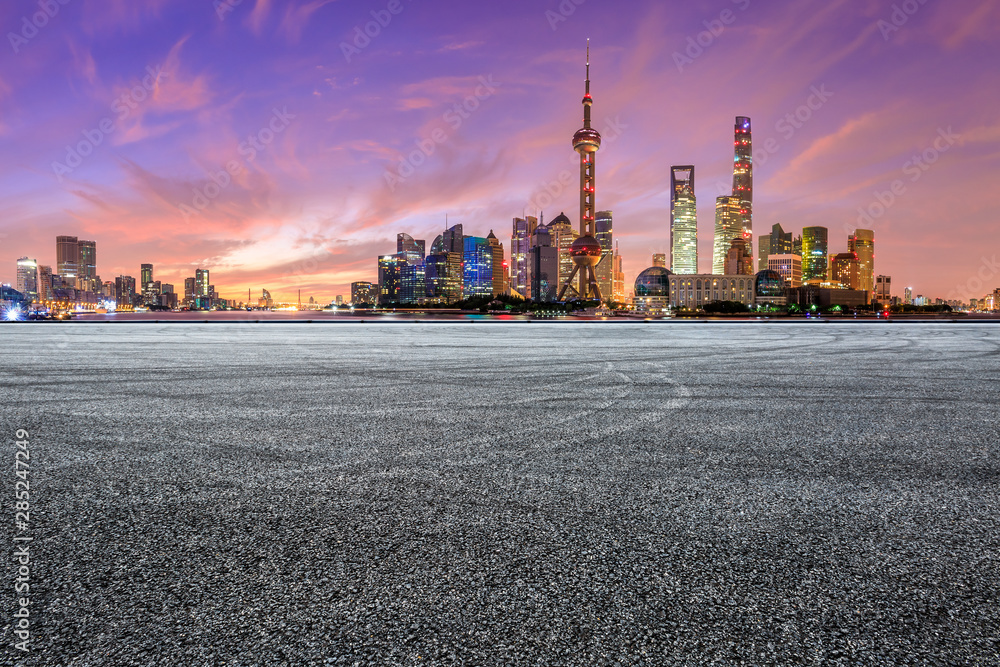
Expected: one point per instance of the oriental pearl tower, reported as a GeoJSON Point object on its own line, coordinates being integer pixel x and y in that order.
{"type": "Point", "coordinates": [586, 250]}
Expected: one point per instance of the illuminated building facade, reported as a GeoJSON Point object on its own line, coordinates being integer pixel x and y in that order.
{"type": "Point", "coordinates": [769, 289]}
{"type": "Point", "coordinates": [694, 291]}
{"type": "Point", "coordinates": [738, 259]}
{"type": "Point", "coordinates": [27, 278]}
{"type": "Point", "coordinates": [45, 283]}
{"type": "Point", "coordinates": [776, 243]}
{"type": "Point", "coordinates": [862, 243]}
{"type": "Point", "coordinates": [124, 291]}
{"type": "Point", "coordinates": [743, 177]}
{"type": "Point", "coordinates": [411, 250]}
{"type": "Point", "coordinates": [497, 266]}
{"type": "Point", "coordinates": [477, 268]}
{"type": "Point", "coordinates": [543, 266]}
{"type": "Point", "coordinates": [389, 276]}
{"type": "Point", "coordinates": [651, 292]}
{"type": "Point", "coordinates": [412, 283]}
{"type": "Point", "coordinates": [86, 253]}
{"type": "Point", "coordinates": [605, 236]}
{"type": "Point", "coordinates": [618, 284]}
{"type": "Point", "coordinates": [815, 248]}
{"type": "Point", "coordinates": [660, 259]}
{"type": "Point", "coordinates": [562, 237]}
{"type": "Point", "coordinates": [67, 259]}
{"type": "Point", "coordinates": [364, 293]}
{"type": "Point", "coordinates": [789, 267]}
{"type": "Point", "coordinates": [683, 221]}
{"type": "Point", "coordinates": [728, 226]}
{"type": "Point", "coordinates": [520, 245]}
{"type": "Point", "coordinates": [845, 269]}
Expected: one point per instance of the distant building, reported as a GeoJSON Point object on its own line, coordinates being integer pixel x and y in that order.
{"type": "Point", "coordinates": [815, 250]}
{"type": "Point", "coordinates": [738, 259]}
{"type": "Point", "coordinates": [45, 283]}
{"type": "Point", "coordinates": [845, 269]}
{"type": "Point", "coordinates": [500, 284]}
{"type": "Point", "coordinates": [908, 296]}
{"type": "Point", "coordinates": [728, 226]}
{"type": "Point", "coordinates": [604, 226]}
{"type": "Point", "coordinates": [883, 289]}
{"type": "Point", "coordinates": [788, 267]}
{"type": "Point", "coordinates": [743, 177]}
{"type": "Point", "coordinates": [562, 234]}
{"type": "Point", "coordinates": [694, 291]}
{"type": "Point", "coordinates": [660, 259]}
{"type": "Point", "coordinates": [651, 294]}
{"type": "Point", "coordinates": [683, 221]}
{"type": "Point", "coordinates": [364, 293]}
{"type": "Point", "coordinates": [145, 275]}
{"type": "Point", "coordinates": [477, 266]}
{"type": "Point", "coordinates": [389, 278]}
{"type": "Point", "coordinates": [413, 283]}
{"type": "Point", "coordinates": [125, 291]}
{"type": "Point", "coordinates": [543, 266]}
{"type": "Point", "coordinates": [770, 289]}
{"type": "Point", "coordinates": [411, 250]}
{"type": "Point", "coordinates": [67, 259]}
{"type": "Point", "coordinates": [27, 278]}
{"type": "Point", "coordinates": [778, 242]}
{"type": "Point", "coordinates": [86, 253]}
{"type": "Point", "coordinates": [520, 246]}
{"type": "Point", "coordinates": [862, 244]}
{"type": "Point", "coordinates": [618, 284]}
{"type": "Point", "coordinates": [808, 296]}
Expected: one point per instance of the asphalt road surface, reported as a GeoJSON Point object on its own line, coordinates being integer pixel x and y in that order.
{"type": "Point", "coordinates": [485, 494]}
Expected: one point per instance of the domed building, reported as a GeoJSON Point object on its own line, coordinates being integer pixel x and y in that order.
{"type": "Point", "coordinates": [769, 288]}
{"type": "Point", "coordinates": [652, 291]}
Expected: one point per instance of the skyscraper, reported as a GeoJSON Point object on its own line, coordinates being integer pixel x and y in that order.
{"type": "Point", "coordinates": [862, 243]}
{"type": "Point", "coordinates": [364, 293]}
{"type": "Point", "coordinates": [87, 265]}
{"type": "Point", "coordinates": [543, 267]}
{"type": "Point", "coordinates": [728, 226]}
{"type": "Point", "coordinates": [618, 284]}
{"type": "Point", "coordinates": [45, 283]}
{"type": "Point", "coordinates": [683, 221]}
{"type": "Point", "coordinates": [776, 243]}
{"type": "Point", "coordinates": [190, 291]}
{"type": "Point", "coordinates": [145, 275]}
{"type": "Point", "coordinates": [660, 259]}
{"type": "Point", "coordinates": [389, 275]}
{"type": "Point", "coordinates": [883, 289]}
{"type": "Point", "coordinates": [477, 266]}
{"type": "Point", "coordinates": [497, 264]}
{"type": "Point", "coordinates": [520, 244]}
{"type": "Point", "coordinates": [27, 278]}
{"type": "Point", "coordinates": [67, 259]}
{"type": "Point", "coordinates": [738, 260]}
{"type": "Point", "coordinates": [815, 249]}
{"type": "Point", "coordinates": [124, 291]}
{"type": "Point", "coordinates": [412, 250]}
{"type": "Point", "coordinates": [846, 270]}
{"type": "Point", "coordinates": [562, 236]}
{"type": "Point", "coordinates": [743, 177]}
{"type": "Point", "coordinates": [585, 252]}
{"type": "Point", "coordinates": [201, 283]}
{"type": "Point", "coordinates": [605, 236]}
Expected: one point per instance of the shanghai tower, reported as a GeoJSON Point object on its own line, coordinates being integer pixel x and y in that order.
{"type": "Point", "coordinates": [743, 176]}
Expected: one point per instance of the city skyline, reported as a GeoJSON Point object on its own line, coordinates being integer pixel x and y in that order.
{"type": "Point", "coordinates": [338, 175]}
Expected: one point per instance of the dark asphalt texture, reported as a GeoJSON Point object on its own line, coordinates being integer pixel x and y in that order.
{"type": "Point", "coordinates": [484, 494]}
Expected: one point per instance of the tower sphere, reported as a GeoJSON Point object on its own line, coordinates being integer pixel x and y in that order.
{"type": "Point", "coordinates": [586, 251]}
{"type": "Point", "coordinates": [587, 140]}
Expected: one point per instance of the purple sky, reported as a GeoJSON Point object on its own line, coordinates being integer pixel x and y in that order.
{"type": "Point", "coordinates": [312, 208]}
